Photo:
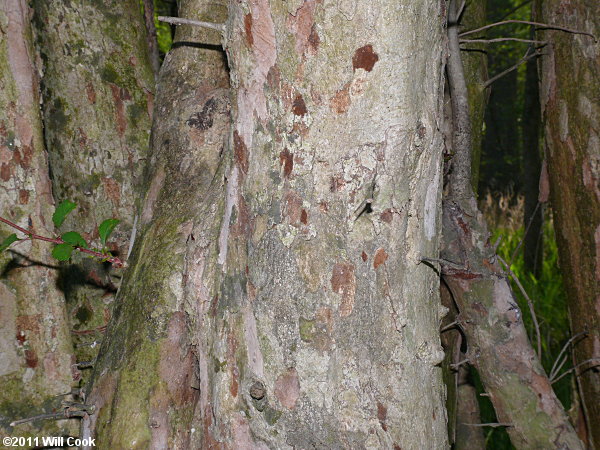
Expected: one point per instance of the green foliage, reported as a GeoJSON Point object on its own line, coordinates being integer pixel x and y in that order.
{"type": "Point", "coordinates": [62, 210]}
{"type": "Point", "coordinates": [71, 240]}
{"type": "Point", "coordinates": [8, 241]}
{"type": "Point", "coordinates": [106, 228]}
{"type": "Point", "coordinates": [74, 238]}
{"type": "Point", "coordinates": [62, 252]}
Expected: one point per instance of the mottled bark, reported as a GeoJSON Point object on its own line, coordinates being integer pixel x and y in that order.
{"type": "Point", "coordinates": [145, 384]}
{"type": "Point", "coordinates": [97, 101]}
{"type": "Point", "coordinates": [329, 323]}
{"type": "Point", "coordinates": [497, 343]}
{"type": "Point", "coordinates": [570, 98]}
{"type": "Point", "coordinates": [35, 349]}
{"type": "Point", "coordinates": [314, 325]}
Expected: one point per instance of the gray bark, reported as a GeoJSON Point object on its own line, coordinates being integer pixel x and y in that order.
{"type": "Point", "coordinates": [98, 88]}
{"type": "Point", "coordinates": [35, 347]}
{"type": "Point", "coordinates": [289, 266]}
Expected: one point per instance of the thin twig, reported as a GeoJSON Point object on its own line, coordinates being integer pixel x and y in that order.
{"type": "Point", "coordinates": [197, 23]}
{"type": "Point", "coordinates": [65, 414]}
{"type": "Point", "coordinates": [576, 367]}
{"type": "Point", "coordinates": [455, 366]}
{"type": "Point", "coordinates": [514, 255]}
{"type": "Point", "coordinates": [450, 326]}
{"type": "Point", "coordinates": [116, 262]}
{"type": "Point", "coordinates": [524, 59]}
{"type": "Point", "coordinates": [554, 370]}
{"type": "Point", "coordinates": [530, 304]}
{"type": "Point", "coordinates": [491, 41]}
{"type": "Point", "coordinates": [544, 26]}
{"type": "Point", "coordinates": [493, 425]}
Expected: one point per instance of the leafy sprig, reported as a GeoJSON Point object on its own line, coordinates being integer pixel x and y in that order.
{"type": "Point", "coordinates": [70, 241]}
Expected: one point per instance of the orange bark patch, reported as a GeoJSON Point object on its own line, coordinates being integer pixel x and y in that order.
{"type": "Point", "coordinates": [364, 58]}
{"type": "Point", "coordinates": [382, 415]}
{"type": "Point", "coordinates": [287, 388]}
{"type": "Point", "coordinates": [387, 216]}
{"type": "Point", "coordinates": [91, 93]}
{"type": "Point", "coordinates": [112, 189]}
{"type": "Point", "coordinates": [119, 109]}
{"type": "Point", "coordinates": [298, 106]}
{"type": "Point", "coordinates": [364, 256]}
{"type": "Point", "coordinates": [5, 172]}
{"type": "Point", "coordinates": [248, 29]}
{"type": "Point", "coordinates": [343, 282]}
{"type": "Point", "coordinates": [380, 258]}
{"type": "Point", "coordinates": [304, 217]}
{"type": "Point", "coordinates": [31, 359]}
{"type": "Point", "coordinates": [287, 160]}
{"type": "Point", "coordinates": [293, 207]}
{"type": "Point", "coordinates": [240, 152]}
{"type": "Point", "coordinates": [340, 102]}
{"type": "Point", "coordinates": [23, 196]}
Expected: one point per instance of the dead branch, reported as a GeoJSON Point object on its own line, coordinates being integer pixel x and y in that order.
{"type": "Point", "coordinates": [554, 369]}
{"type": "Point", "coordinates": [541, 26]}
{"type": "Point", "coordinates": [492, 425]}
{"type": "Point", "coordinates": [68, 412]}
{"type": "Point", "coordinates": [576, 367]}
{"type": "Point", "coordinates": [196, 23]}
{"type": "Point", "coordinates": [491, 41]}
{"type": "Point", "coordinates": [524, 59]}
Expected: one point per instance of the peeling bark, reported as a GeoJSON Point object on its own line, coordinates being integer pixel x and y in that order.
{"type": "Point", "coordinates": [570, 98]}
{"type": "Point", "coordinates": [35, 348]}
{"type": "Point", "coordinates": [332, 198]}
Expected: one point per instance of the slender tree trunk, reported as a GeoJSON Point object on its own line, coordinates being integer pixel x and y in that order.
{"type": "Point", "coordinates": [301, 294]}
{"type": "Point", "coordinates": [97, 102]}
{"type": "Point", "coordinates": [35, 348]}
{"type": "Point", "coordinates": [570, 98]}
{"type": "Point", "coordinates": [497, 342]}
{"type": "Point", "coordinates": [147, 382]}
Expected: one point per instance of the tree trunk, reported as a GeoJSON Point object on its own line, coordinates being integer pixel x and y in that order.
{"type": "Point", "coordinates": [497, 343]}
{"type": "Point", "coordinates": [35, 348]}
{"type": "Point", "coordinates": [570, 98]}
{"type": "Point", "coordinates": [288, 265]}
{"type": "Point", "coordinates": [147, 380]}
{"type": "Point", "coordinates": [97, 94]}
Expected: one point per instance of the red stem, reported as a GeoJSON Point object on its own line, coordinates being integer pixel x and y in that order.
{"type": "Point", "coordinates": [116, 262]}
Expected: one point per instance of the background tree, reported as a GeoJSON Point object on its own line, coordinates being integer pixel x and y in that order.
{"type": "Point", "coordinates": [570, 98]}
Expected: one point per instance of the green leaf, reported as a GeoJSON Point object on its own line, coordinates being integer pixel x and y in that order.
{"type": "Point", "coordinates": [61, 212]}
{"type": "Point", "coordinates": [62, 252]}
{"type": "Point", "coordinates": [106, 228]}
{"type": "Point", "coordinates": [74, 238]}
{"type": "Point", "coordinates": [8, 241]}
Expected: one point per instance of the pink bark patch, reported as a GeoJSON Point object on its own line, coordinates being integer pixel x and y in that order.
{"type": "Point", "coordinates": [343, 282]}
{"type": "Point", "coordinates": [302, 27]}
{"type": "Point", "coordinates": [287, 388]}
{"type": "Point", "coordinates": [287, 160]}
{"type": "Point", "coordinates": [340, 102]}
